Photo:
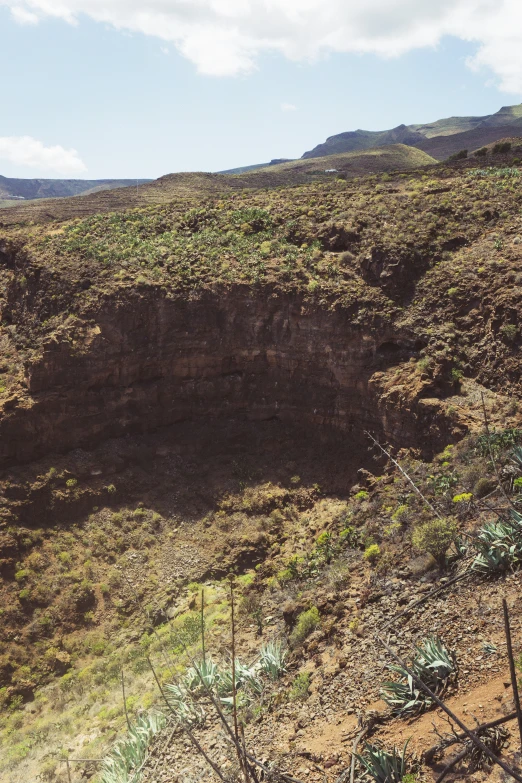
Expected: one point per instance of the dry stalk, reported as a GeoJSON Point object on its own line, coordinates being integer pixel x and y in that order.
{"type": "Point", "coordinates": [186, 728]}
{"type": "Point", "coordinates": [401, 469]}
{"type": "Point", "coordinates": [124, 699]}
{"type": "Point", "coordinates": [491, 455]}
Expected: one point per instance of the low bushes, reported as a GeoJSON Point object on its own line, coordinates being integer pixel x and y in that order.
{"type": "Point", "coordinates": [435, 537]}
{"type": "Point", "coordinates": [307, 622]}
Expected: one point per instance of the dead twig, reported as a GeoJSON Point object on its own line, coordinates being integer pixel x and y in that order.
{"type": "Point", "coordinates": [124, 699]}
{"type": "Point", "coordinates": [356, 741]}
{"type": "Point", "coordinates": [398, 466]}
{"type": "Point", "coordinates": [514, 682]}
{"type": "Point", "coordinates": [429, 754]}
{"type": "Point", "coordinates": [491, 455]}
{"type": "Point", "coordinates": [453, 763]}
{"type": "Point", "coordinates": [186, 729]}
{"type": "Point", "coordinates": [240, 750]}
{"type": "Point", "coordinates": [203, 655]}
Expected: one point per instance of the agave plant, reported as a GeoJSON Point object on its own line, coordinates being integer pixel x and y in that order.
{"type": "Point", "coordinates": [247, 684]}
{"type": "Point", "coordinates": [206, 674]}
{"type": "Point", "coordinates": [272, 659]}
{"type": "Point", "coordinates": [499, 545]}
{"type": "Point", "coordinates": [183, 706]}
{"type": "Point", "coordinates": [434, 665]}
{"type": "Point", "coordinates": [123, 764]}
{"type": "Point", "coordinates": [384, 767]}
{"type": "Point", "coordinates": [516, 456]}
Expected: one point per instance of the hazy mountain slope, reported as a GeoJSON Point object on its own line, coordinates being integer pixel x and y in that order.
{"type": "Point", "coordinates": [192, 186]}
{"type": "Point", "coordinates": [58, 188]}
{"type": "Point", "coordinates": [441, 147]}
{"type": "Point", "coordinates": [487, 129]}
{"type": "Point", "coordinates": [362, 140]}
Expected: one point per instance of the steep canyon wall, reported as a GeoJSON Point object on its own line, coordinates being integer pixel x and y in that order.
{"type": "Point", "coordinates": [145, 360]}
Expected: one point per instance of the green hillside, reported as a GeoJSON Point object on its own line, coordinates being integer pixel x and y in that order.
{"type": "Point", "coordinates": [194, 185]}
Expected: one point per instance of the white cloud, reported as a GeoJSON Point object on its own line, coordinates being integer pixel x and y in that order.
{"type": "Point", "coordinates": [225, 37]}
{"type": "Point", "coordinates": [26, 151]}
{"type": "Point", "coordinates": [23, 16]}
{"type": "Point", "coordinates": [288, 107]}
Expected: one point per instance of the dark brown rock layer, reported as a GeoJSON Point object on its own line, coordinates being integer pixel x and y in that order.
{"type": "Point", "coordinates": [147, 361]}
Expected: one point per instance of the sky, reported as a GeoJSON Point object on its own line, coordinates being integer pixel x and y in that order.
{"type": "Point", "coordinates": [98, 89]}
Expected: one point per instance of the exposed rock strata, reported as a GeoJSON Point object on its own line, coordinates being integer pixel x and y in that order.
{"type": "Point", "coordinates": [146, 360]}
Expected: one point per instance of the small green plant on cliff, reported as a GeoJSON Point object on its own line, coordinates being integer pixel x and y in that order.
{"type": "Point", "coordinates": [435, 537]}
{"type": "Point", "coordinates": [300, 689]}
{"type": "Point", "coordinates": [307, 622]}
{"type": "Point", "coordinates": [372, 553]}
{"type": "Point", "coordinates": [509, 332]}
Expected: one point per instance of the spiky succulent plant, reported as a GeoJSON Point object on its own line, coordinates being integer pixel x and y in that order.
{"type": "Point", "coordinates": [499, 545]}
{"type": "Point", "coordinates": [124, 762]}
{"type": "Point", "coordinates": [272, 659]}
{"type": "Point", "coordinates": [434, 665]}
{"type": "Point", "coordinates": [382, 766]}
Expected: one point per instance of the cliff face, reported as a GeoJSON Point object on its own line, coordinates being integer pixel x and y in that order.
{"type": "Point", "coordinates": [145, 361]}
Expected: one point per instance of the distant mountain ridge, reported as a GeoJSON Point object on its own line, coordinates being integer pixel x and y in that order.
{"type": "Point", "coordinates": [440, 139]}
{"type": "Point", "coordinates": [28, 189]}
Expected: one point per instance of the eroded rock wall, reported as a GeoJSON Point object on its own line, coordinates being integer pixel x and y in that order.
{"type": "Point", "coordinates": [145, 360]}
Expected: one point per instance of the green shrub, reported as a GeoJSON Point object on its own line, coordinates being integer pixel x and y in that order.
{"type": "Point", "coordinates": [464, 497]}
{"type": "Point", "coordinates": [435, 537]}
{"type": "Point", "coordinates": [362, 495]}
{"type": "Point", "coordinates": [71, 483]}
{"type": "Point", "coordinates": [372, 553]}
{"type": "Point", "coordinates": [462, 155]}
{"type": "Point", "coordinates": [482, 152]}
{"type": "Point", "coordinates": [349, 537]}
{"type": "Point", "coordinates": [483, 486]}
{"type": "Point", "coordinates": [509, 332]}
{"type": "Point", "coordinates": [300, 687]}
{"type": "Point", "coordinates": [501, 148]}
{"type": "Point", "coordinates": [307, 622]}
